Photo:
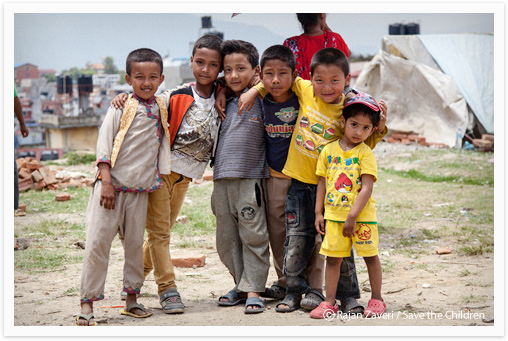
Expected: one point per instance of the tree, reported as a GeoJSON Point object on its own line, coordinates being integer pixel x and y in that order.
{"type": "Point", "coordinates": [109, 66]}
{"type": "Point", "coordinates": [50, 77]}
{"type": "Point", "coordinates": [122, 77]}
{"type": "Point", "coordinates": [74, 72]}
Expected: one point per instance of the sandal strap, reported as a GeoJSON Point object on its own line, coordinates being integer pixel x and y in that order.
{"type": "Point", "coordinates": [317, 293]}
{"type": "Point", "coordinates": [87, 317]}
{"type": "Point", "coordinates": [230, 296]}
{"type": "Point", "coordinates": [135, 305]}
{"type": "Point", "coordinates": [168, 294]}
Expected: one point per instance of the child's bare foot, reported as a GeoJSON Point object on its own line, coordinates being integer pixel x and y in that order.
{"type": "Point", "coordinates": [85, 318]}
{"type": "Point", "coordinates": [254, 304]}
{"type": "Point", "coordinates": [232, 298]}
{"type": "Point", "coordinates": [132, 308]}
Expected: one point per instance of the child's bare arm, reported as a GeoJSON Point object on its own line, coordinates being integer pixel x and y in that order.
{"type": "Point", "coordinates": [220, 101]}
{"type": "Point", "coordinates": [108, 193]}
{"type": "Point", "coordinates": [246, 100]}
{"type": "Point", "coordinates": [119, 100]}
{"type": "Point", "coordinates": [319, 209]}
{"type": "Point", "coordinates": [382, 116]}
{"type": "Point", "coordinates": [360, 202]}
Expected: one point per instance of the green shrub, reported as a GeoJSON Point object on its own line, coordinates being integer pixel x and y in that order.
{"type": "Point", "coordinates": [74, 158]}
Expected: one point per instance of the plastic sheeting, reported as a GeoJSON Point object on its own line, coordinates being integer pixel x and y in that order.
{"type": "Point", "coordinates": [469, 60]}
{"type": "Point", "coordinates": [421, 98]}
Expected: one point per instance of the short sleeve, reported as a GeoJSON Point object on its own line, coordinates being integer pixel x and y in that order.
{"type": "Point", "coordinates": [261, 89]}
{"type": "Point", "coordinates": [322, 163]}
{"type": "Point", "coordinates": [15, 92]}
{"type": "Point", "coordinates": [368, 163]}
{"type": "Point", "coordinates": [300, 86]}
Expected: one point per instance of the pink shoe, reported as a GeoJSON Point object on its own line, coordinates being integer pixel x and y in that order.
{"type": "Point", "coordinates": [375, 308]}
{"type": "Point", "coordinates": [324, 311]}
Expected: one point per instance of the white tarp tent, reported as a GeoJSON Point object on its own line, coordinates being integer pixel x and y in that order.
{"type": "Point", "coordinates": [434, 85]}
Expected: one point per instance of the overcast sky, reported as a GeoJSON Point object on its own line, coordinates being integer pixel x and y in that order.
{"type": "Point", "coordinates": [63, 40]}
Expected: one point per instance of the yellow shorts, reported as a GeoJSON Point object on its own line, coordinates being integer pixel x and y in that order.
{"type": "Point", "coordinates": [336, 245]}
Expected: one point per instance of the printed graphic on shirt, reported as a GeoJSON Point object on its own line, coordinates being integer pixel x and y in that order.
{"type": "Point", "coordinates": [343, 184]}
{"type": "Point", "coordinates": [194, 138]}
{"type": "Point", "coordinates": [285, 130]}
{"type": "Point", "coordinates": [343, 176]}
{"type": "Point", "coordinates": [315, 130]}
{"type": "Point", "coordinates": [329, 197]}
{"type": "Point", "coordinates": [287, 114]}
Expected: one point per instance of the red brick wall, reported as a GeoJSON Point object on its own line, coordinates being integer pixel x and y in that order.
{"type": "Point", "coordinates": [26, 71]}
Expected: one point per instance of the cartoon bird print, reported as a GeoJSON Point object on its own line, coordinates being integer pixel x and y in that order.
{"type": "Point", "coordinates": [343, 184]}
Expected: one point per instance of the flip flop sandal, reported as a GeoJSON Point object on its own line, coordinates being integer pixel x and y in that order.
{"type": "Point", "coordinates": [350, 303]}
{"type": "Point", "coordinates": [171, 302]}
{"type": "Point", "coordinates": [86, 317]}
{"type": "Point", "coordinates": [375, 308]}
{"type": "Point", "coordinates": [275, 291]}
{"type": "Point", "coordinates": [232, 299]}
{"type": "Point", "coordinates": [312, 300]}
{"type": "Point", "coordinates": [324, 311]}
{"type": "Point", "coordinates": [291, 301]}
{"type": "Point", "coordinates": [133, 306]}
{"type": "Point", "coordinates": [254, 301]}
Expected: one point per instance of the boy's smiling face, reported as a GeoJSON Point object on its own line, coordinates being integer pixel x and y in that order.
{"type": "Point", "coordinates": [238, 72]}
{"type": "Point", "coordinates": [277, 79]}
{"type": "Point", "coordinates": [145, 79]}
{"type": "Point", "coordinates": [205, 64]}
{"type": "Point", "coordinates": [329, 82]}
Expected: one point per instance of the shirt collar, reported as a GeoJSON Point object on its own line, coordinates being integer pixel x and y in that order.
{"type": "Point", "coordinates": [144, 101]}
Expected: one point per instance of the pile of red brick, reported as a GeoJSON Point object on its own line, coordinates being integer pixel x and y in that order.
{"type": "Point", "coordinates": [407, 139]}
{"type": "Point", "coordinates": [33, 175]}
{"type": "Point", "coordinates": [485, 144]}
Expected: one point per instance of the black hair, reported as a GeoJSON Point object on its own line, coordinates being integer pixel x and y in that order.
{"type": "Point", "coordinates": [208, 41]}
{"type": "Point", "coordinates": [307, 19]}
{"type": "Point", "coordinates": [279, 52]}
{"type": "Point", "coordinates": [143, 55]}
{"type": "Point", "coordinates": [330, 56]}
{"type": "Point", "coordinates": [243, 47]}
{"type": "Point", "coordinates": [361, 109]}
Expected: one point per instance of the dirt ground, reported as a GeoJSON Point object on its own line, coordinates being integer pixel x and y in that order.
{"type": "Point", "coordinates": [430, 290]}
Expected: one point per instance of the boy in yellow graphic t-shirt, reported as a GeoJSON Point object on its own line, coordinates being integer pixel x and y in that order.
{"type": "Point", "coordinates": [321, 102]}
{"type": "Point", "coordinates": [347, 171]}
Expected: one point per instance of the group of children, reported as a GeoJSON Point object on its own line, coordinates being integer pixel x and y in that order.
{"type": "Point", "coordinates": [292, 161]}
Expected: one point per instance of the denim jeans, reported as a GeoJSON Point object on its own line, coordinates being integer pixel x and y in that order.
{"type": "Point", "coordinates": [300, 240]}
{"type": "Point", "coordinates": [348, 281]}
{"type": "Point", "coordinates": [300, 235]}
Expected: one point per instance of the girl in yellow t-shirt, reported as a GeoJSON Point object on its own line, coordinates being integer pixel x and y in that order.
{"type": "Point", "coordinates": [347, 171]}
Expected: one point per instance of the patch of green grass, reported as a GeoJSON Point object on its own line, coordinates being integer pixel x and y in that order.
{"type": "Point", "coordinates": [471, 299]}
{"type": "Point", "coordinates": [74, 158]}
{"type": "Point", "coordinates": [466, 272]}
{"type": "Point", "coordinates": [32, 259]}
{"type": "Point", "coordinates": [475, 250]}
{"type": "Point", "coordinates": [201, 220]}
{"type": "Point", "coordinates": [44, 201]}
{"type": "Point", "coordinates": [55, 227]}
{"type": "Point", "coordinates": [430, 234]}
{"type": "Point", "coordinates": [476, 239]}
{"type": "Point", "coordinates": [187, 243]}
{"type": "Point", "coordinates": [419, 176]}
{"type": "Point", "coordinates": [387, 265]}
{"type": "Point", "coordinates": [74, 291]}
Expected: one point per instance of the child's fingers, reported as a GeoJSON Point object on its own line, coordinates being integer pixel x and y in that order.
{"type": "Point", "coordinates": [222, 114]}
{"type": "Point", "coordinates": [241, 107]}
